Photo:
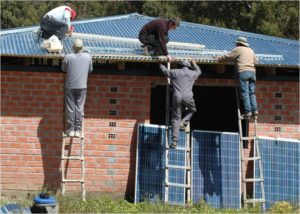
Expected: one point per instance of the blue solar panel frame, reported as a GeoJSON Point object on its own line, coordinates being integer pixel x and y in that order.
{"type": "Point", "coordinates": [216, 175]}
{"type": "Point", "coordinates": [151, 164]}
{"type": "Point", "coordinates": [281, 170]}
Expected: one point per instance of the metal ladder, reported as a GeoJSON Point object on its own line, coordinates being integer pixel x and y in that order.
{"type": "Point", "coordinates": [66, 158]}
{"type": "Point", "coordinates": [186, 149]}
{"type": "Point", "coordinates": [255, 158]}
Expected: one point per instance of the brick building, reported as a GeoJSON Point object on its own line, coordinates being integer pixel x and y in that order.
{"type": "Point", "coordinates": [126, 89]}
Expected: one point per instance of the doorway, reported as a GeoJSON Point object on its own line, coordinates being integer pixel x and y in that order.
{"type": "Point", "coordinates": [216, 108]}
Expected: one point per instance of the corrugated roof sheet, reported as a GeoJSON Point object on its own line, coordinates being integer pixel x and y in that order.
{"type": "Point", "coordinates": [270, 50]}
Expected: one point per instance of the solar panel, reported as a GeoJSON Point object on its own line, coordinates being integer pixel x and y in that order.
{"type": "Point", "coordinates": [216, 169]}
{"type": "Point", "coordinates": [150, 166]}
{"type": "Point", "coordinates": [281, 170]}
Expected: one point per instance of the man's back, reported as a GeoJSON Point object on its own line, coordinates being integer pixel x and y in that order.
{"type": "Point", "coordinates": [77, 66]}
{"type": "Point", "coordinates": [182, 79]}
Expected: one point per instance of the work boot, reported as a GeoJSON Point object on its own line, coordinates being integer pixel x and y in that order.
{"type": "Point", "coordinates": [173, 144]}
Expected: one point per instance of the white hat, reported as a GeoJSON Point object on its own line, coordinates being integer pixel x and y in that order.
{"type": "Point", "coordinates": [78, 45]}
{"type": "Point", "coordinates": [243, 41]}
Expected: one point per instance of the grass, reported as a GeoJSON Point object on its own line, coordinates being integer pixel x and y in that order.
{"type": "Point", "coordinates": [106, 204]}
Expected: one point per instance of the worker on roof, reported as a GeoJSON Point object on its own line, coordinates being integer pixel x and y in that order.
{"type": "Point", "coordinates": [246, 60]}
{"type": "Point", "coordinates": [154, 36]}
{"type": "Point", "coordinates": [77, 65]}
{"type": "Point", "coordinates": [182, 80]}
{"type": "Point", "coordinates": [58, 22]}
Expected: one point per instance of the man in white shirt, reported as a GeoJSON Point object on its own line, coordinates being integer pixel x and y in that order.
{"type": "Point", "coordinates": [58, 22]}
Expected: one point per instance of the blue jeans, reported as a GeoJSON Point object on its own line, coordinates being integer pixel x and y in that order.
{"type": "Point", "coordinates": [247, 84]}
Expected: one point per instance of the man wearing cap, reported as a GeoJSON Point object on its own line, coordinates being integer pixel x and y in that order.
{"type": "Point", "coordinates": [77, 65]}
{"type": "Point", "coordinates": [154, 36]}
{"type": "Point", "coordinates": [182, 80]}
{"type": "Point", "coordinates": [58, 22]}
{"type": "Point", "coordinates": [246, 60]}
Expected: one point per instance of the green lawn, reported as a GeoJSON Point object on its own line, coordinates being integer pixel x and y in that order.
{"type": "Point", "coordinates": [105, 204]}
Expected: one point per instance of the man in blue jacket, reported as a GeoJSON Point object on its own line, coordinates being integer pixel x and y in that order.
{"type": "Point", "coordinates": [182, 80]}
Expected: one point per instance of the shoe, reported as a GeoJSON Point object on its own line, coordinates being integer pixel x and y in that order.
{"type": "Point", "coordinates": [173, 144]}
{"type": "Point", "coordinates": [158, 52]}
{"type": "Point", "coordinates": [183, 126]}
{"type": "Point", "coordinates": [247, 114]}
{"type": "Point", "coordinates": [77, 134]}
{"type": "Point", "coordinates": [254, 113]}
{"type": "Point", "coordinates": [70, 133]}
{"type": "Point", "coordinates": [145, 49]}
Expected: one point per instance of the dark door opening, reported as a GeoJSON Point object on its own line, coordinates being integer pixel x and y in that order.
{"type": "Point", "coordinates": [216, 108]}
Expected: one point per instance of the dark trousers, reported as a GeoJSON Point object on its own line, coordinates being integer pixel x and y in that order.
{"type": "Point", "coordinates": [74, 103]}
{"type": "Point", "coordinates": [152, 42]}
{"type": "Point", "coordinates": [50, 27]}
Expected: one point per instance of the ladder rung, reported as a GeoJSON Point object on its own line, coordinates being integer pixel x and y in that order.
{"type": "Point", "coordinates": [253, 179]}
{"type": "Point", "coordinates": [252, 158]}
{"type": "Point", "coordinates": [181, 148]}
{"type": "Point", "coordinates": [178, 167]}
{"type": "Point", "coordinates": [178, 185]}
{"type": "Point", "coordinates": [262, 200]}
{"type": "Point", "coordinates": [71, 180]}
{"type": "Point", "coordinates": [72, 158]}
{"type": "Point", "coordinates": [249, 138]}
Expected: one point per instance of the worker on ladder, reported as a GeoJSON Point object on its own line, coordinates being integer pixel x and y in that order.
{"type": "Point", "coordinates": [246, 61]}
{"type": "Point", "coordinates": [182, 80]}
{"type": "Point", "coordinates": [77, 65]}
{"type": "Point", "coordinates": [154, 36]}
{"type": "Point", "coordinates": [58, 22]}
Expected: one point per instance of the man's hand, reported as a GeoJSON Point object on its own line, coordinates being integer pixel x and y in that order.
{"type": "Point", "coordinates": [169, 58]}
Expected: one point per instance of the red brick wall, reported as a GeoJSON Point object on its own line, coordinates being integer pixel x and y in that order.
{"type": "Point", "coordinates": [31, 125]}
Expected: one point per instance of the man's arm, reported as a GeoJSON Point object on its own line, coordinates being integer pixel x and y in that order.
{"type": "Point", "coordinates": [197, 68]}
{"type": "Point", "coordinates": [162, 42]}
{"type": "Point", "coordinates": [91, 65]}
{"type": "Point", "coordinates": [169, 73]}
{"type": "Point", "coordinates": [64, 65]}
{"type": "Point", "coordinates": [229, 56]}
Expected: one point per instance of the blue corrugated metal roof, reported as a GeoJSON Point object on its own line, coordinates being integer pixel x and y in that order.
{"type": "Point", "coordinates": [23, 41]}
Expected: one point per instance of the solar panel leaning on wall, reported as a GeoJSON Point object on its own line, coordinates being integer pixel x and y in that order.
{"type": "Point", "coordinates": [281, 170]}
{"type": "Point", "coordinates": [216, 169]}
{"type": "Point", "coordinates": [150, 166]}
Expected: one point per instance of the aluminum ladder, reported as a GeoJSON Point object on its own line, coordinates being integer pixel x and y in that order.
{"type": "Point", "coordinates": [244, 138]}
{"type": "Point", "coordinates": [187, 154]}
{"type": "Point", "coordinates": [65, 158]}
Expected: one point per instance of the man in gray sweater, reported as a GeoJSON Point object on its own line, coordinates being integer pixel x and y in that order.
{"type": "Point", "coordinates": [77, 65]}
{"type": "Point", "coordinates": [182, 80]}
{"type": "Point", "coordinates": [246, 60]}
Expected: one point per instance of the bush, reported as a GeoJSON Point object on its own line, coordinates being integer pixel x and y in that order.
{"type": "Point", "coordinates": [281, 207]}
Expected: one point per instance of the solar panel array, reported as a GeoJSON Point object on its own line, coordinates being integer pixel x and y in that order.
{"type": "Point", "coordinates": [216, 169]}
{"type": "Point", "coordinates": [215, 166]}
{"type": "Point", "coordinates": [281, 170]}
